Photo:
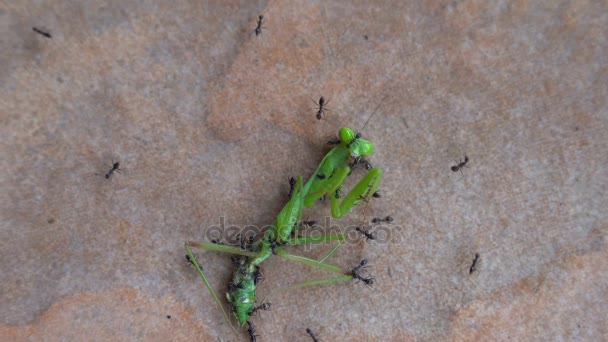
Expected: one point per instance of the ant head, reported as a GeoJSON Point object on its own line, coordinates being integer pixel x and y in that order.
{"type": "Point", "coordinates": [261, 17]}
{"type": "Point", "coordinates": [355, 144]}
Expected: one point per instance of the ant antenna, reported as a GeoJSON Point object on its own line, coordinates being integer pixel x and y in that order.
{"type": "Point", "coordinates": [378, 106]}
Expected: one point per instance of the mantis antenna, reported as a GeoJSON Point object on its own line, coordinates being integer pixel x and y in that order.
{"type": "Point", "coordinates": [378, 106]}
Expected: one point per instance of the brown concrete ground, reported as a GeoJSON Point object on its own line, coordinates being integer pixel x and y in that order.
{"type": "Point", "coordinates": [209, 121]}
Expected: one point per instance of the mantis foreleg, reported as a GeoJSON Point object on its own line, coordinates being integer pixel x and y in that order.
{"type": "Point", "coordinates": [362, 191]}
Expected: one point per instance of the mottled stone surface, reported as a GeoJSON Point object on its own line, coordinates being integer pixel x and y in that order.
{"type": "Point", "coordinates": [209, 121]}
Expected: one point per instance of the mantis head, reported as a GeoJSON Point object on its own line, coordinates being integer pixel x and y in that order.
{"type": "Point", "coordinates": [354, 143]}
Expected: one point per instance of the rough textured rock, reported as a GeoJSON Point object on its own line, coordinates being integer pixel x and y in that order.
{"type": "Point", "coordinates": [209, 122]}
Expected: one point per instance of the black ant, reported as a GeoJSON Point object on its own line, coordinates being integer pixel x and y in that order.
{"type": "Point", "coordinates": [292, 184]}
{"type": "Point", "coordinates": [334, 141]}
{"type": "Point", "coordinates": [302, 226]}
{"type": "Point", "coordinates": [359, 160]}
{"type": "Point", "coordinates": [238, 261]}
{"type": "Point", "coordinates": [258, 274]}
{"type": "Point", "coordinates": [461, 164]}
{"type": "Point", "coordinates": [368, 235]}
{"type": "Point", "coordinates": [232, 286]}
{"type": "Point", "coordinates": [190, 260]}
{"type": "Point", "coordinates": [263, 306]}
{"type": "Point", "coordinates": [251, 331]}
{"type": "Point", "coordinates": [369, 281]}
{"type": "Point", "coordinates": [115, 168]}
{"type": "Point", "coordinates": [474, 265]}
{"type": "Point", "coordinates": [314, 336]}
{"type": "Point", "coordinates": [247, 243]}
{"type": "Point", "coordinates": [321, 107]}
{"type": "Point", "coordinates": [46, 34]}
{"type": "Point", "coordinates": [338, 192]}
{"type": "Point", "coordinates": [387, 219]}
{"type": "Point", "coordinates": [360, 266]}
{"type": "Point", "coordinates": [243, 270]}
{"type": "Point", "coordinates": [309, 223]}
{"type": "Point", "coordinates": [376, 194]}
{"type": "Point", "coordinates": [258, 29]}
{"type": "Point", "coordinates": [274, 244]}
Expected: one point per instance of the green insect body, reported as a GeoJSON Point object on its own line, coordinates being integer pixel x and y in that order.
{"type": "Point", "coordinates": [290, 214]}
{"type": "Point", "coordinates": [241, 296]}
{"type": "Point", "coordinates": [327, 179]}
{"type": "Point", "coordinates": [241, 292]}
{"type": "Point", "coordinates": [334, 169]}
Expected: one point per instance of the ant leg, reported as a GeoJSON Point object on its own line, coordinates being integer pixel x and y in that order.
{"type": "Point", "coordinates": [461, 174]}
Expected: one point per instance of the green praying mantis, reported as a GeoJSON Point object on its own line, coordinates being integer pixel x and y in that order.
{"type": "Point", "coordinates": [327, 180]}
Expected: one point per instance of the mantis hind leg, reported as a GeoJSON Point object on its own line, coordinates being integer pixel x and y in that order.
{"type": "Point", "coordinates": [320, 282]}
{"type": "Point", "coordinates": [319, 264]}
{"type": "Point", "coordinates": [320, 239]}
{"type": "Point", "coordinates": [364, 190]}
{"type": "Point", "coordinates": [199, 269]}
